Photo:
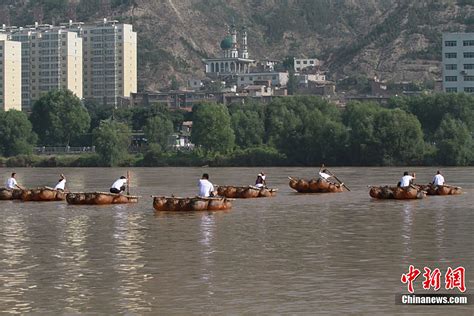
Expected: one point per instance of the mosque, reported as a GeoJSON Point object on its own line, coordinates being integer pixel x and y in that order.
{"type": "Point", "coordinates": [235, 56]}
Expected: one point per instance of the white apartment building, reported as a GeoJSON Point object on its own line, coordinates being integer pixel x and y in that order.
{"type": "Point", "coordinates": [276, 79]}
{"type": "Point", "coordinates": [51, 59]}
{"type": "Point", "coordinates": [10, 74]}
{"type": "Point", "coordinates": [458, 62]}
{"type": "Point", "coordinates": [110, 61]}
{"type": "Point", "coordinates": [302, 63]}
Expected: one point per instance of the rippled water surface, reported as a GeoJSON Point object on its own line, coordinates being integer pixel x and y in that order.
{"type": "Point", "coordinates": [291, 254]}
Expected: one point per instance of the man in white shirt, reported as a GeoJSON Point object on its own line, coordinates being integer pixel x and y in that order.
{"type": "Point", "coordinates": [61, 183]}
{"type": "Point", "coordinates": [206, 188]}
{"type": "Point", "coordinates": [324, 174]}
{"type": "Point", "coordinates": [12, 184]}
{"type": "Point", "coordinates": [438, 179]}
{"type": "Point", "coordinates": [406, 180]}
{"type": "Point", "coordinates": [119, 185]}
{"type": "Point", "coordinates": [260, 182]}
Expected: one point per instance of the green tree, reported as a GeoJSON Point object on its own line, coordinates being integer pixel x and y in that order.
{"type": "Point", "coordinates": [158, 129]}
{"type": "Point", "coordinates": [454, 143]}
{"type": "Point", "coordinates": [359, 120]}
{"type": "Point", "coordinates": [111, 140]}
{"type": "Point", "coordinates": [153, 157]}
{"type": "Point", "coordinates": [398, 137]}
{"type": "Point", "coordinates": [97, 112]}
{"type": "Point", "coordinates": [212, 128]}
{"type": "Point", "coordinates": [314, 140]}
{"type": "Point", "coordinates": [16, 135]}
{"type": "Point", "coordinates": [59, 118]}
{"type": "Point", "coordinates": [140, 115]}
{"type": "Point", "coordinates": [248, 125]}
{"type": "Point", "coordinates": [292, 84]}
{"type": "Point", "coordinates": [431, 110]}
{"type": "Point", "coordinates": [285, 114]}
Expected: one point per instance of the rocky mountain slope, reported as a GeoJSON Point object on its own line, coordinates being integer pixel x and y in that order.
{"type": "Point", "coordinates": [395, 40]}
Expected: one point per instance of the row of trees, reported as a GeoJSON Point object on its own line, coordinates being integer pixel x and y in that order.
{"type": "Point", "coordinates": [59, 118]}
{"type": "Point", "coordinates": [435, 129]}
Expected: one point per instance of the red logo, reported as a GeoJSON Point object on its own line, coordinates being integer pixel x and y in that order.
{"type": "Point", "coordinates": [455, 278]}
{"type": "Point", "coordinates": [432, 278]}
{"type": "Point", "coordinates": [410, 277]}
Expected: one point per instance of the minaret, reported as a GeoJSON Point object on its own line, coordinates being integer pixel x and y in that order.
{"type": "Point", "coordinates": [245, 52]}
{"type": "Point", "coordinates": [234, 53]}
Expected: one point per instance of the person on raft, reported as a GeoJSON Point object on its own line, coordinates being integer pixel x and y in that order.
{"type": "Point", "coordinates": [119, 185]}
{"type": "Point", "coordinates": [438, 179]}
{"type": "Point", "coordinates": [206, 189]}
{"type": "Point", "coordinates": [406, 180]}
{"type": "Point", "coordinates": [324, 174]}
{"type": "Point", "coordinates": [260, 182]}
{"type": "Point", "coordinates": [12, 184]}
{"type": "Point", "coordinates": [61, 183]}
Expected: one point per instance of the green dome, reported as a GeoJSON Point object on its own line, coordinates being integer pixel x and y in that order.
{"type": "Point", "coordinates": [226, 43]}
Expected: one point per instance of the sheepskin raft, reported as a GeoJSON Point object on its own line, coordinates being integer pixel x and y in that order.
{"type": "Point", "coordinates": [397, 193]}
{"type": "Point", "coordinates": [314, 186]}
{"type": "Point", "coordinates": [179, 204]}
{"type": "Point", "coordinates": [100, 198]}
{"type": "Point", "coordinates": [44, 194]}
{"type": "Point", "coordinates": [245, 192]}
{"type": "Point", "coordinates": [6, 194]}
{"type": "Point", "coordinates": [441, 189]}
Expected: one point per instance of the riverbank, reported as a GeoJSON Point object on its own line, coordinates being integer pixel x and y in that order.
{"type": "Point", "coordinates": [254, 157]}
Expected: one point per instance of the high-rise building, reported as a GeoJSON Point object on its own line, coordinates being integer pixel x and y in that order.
{"type": "Point", "coordinates": [110, 61]}
{"type": "Point", "coordinates": [10, 74]}
{"type": "Point", "coordinates": [95, 61]}
{"type": "Point", "coordinates": [51, 59]}
{"type": "Point", "coordinates": [458, 62]}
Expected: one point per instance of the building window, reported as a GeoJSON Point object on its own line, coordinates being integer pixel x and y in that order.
{"type": "Point", "coordinates": [298, 62]}
{"type": "Point", "coordinates": [469, 55]}
{"type": "Point", "coordinates": [468, 66]}
{"type": "Point", "coordinates": [469, 89]}
{"type": "Point", "coordinates": [450, 55]}
{"type": "Point", "coordinates": [450, 43]}
{"type": "Point", "coordinates": [468, 43]}
{"type": "Point", "coordinates": [468, 78]}
{"type": "Point", "coordinates": [451, 78]}
{"type": "Point", "coordinates": [451, 90]}
{"type": "Point", "coordinates": [451, 66]}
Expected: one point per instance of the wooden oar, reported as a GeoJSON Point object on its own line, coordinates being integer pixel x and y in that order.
{"type": "Point", "coordinates": [337, 179]}
{"type": "Point", "coordinates": [128, 182]}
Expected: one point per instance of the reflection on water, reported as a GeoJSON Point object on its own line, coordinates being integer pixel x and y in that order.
{"type": "Point", "coordinates": [408, 217]}
{"type": "Point", "coordinates": [14, 272]}
{"type": "Point", "coordinates": [72, 259]}
{"type": "Point", "coordinates": [208, 227]}
{"type": "Point", "coordinates": [291, 254]}
{"type": "Point", "coordinates": [128, 260]}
